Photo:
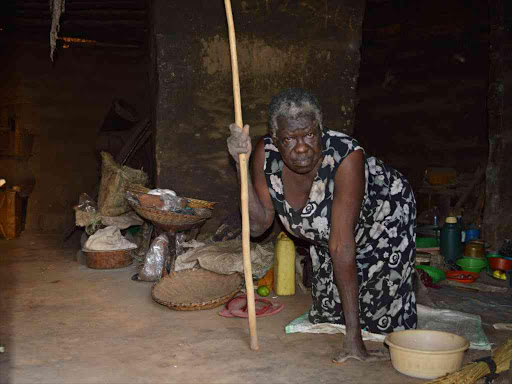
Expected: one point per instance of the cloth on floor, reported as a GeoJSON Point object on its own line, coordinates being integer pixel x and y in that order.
{"type": "Point", "coordinates": [463, 324]}
{"type": "Point", "coordinates": [460, 323]}
{"type": "Point", "coordinates": [225, 258]}
{"type": "Point", "coordinates": [108, 239]}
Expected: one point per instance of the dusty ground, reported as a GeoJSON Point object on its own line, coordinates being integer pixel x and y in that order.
{"type": "Point", "coordinates": [64, 323]}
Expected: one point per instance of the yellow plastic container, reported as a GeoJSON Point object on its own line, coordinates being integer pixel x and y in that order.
{"type": "Point", "coordinates": [284, 266]}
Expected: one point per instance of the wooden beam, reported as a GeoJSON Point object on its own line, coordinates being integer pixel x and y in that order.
{"type": "Point", "coordinates": [106, 24]}
{"type": "Point", "coordinates": [101, 14]}
{"type": "Point", "coordinates": [75, 5]}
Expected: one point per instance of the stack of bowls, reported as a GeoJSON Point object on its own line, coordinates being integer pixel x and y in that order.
{"type": "Point", "coordinates": [498, 262]}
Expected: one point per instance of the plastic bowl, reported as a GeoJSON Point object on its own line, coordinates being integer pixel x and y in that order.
{"type": "Point", "coordinates": [435, 273]}
{"type": "Point", "coordinates": [426, 242]}
{"type": "Point", "coordinates": [426, 354]}
{"type": "Point", "coordinates": [471, 264]}
{"type": "Point", "coordinates": [462, 276]}
{"type": "Point", "coordinates": [500, 263]}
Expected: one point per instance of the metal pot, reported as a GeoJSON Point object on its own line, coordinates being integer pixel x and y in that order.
{"type": "Point", "coordinates": [474, 249]}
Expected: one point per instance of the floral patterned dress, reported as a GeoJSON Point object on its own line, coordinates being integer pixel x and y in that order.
{"type": "Point", "coordinates": [385, 236]}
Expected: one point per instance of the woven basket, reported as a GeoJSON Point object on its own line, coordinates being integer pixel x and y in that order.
{"type": "Point", "coordinates": [108, 259]}
{"type": "Point", "coordinates": [158, 216]}
{"type": "Point", "coordinates": [192, 203]}
{"type": "Point", "coordinates": [137, 188]}
{"type": "Point", "coordinates": [195, 289]}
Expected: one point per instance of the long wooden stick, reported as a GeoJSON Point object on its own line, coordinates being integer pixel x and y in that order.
{"type": "Point", "coordinates": [246, 247]}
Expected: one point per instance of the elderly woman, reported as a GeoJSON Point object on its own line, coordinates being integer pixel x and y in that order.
{"type": "Point", "coordinates": [358, 214]}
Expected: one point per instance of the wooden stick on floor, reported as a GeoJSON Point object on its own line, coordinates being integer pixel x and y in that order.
{"type": "Point", "coordinates": [246, 248]}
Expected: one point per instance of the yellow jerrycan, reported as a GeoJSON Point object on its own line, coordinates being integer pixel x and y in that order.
{"type": "Point", "coordinates": [284, 266]}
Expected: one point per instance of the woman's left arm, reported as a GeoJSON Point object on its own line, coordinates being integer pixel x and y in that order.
{"type": "Point", "coordinates": [349, 187]}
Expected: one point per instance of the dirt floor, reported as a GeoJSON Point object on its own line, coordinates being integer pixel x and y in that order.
{"type": "Point", "coordinates": [65, 323]}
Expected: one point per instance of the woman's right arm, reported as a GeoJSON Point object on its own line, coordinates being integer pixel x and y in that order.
{"type": "Point", "coordinates": [261, 209]}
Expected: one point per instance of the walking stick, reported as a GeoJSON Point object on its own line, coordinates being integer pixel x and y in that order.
{"type": "Point", "coordinates": [246, 248]}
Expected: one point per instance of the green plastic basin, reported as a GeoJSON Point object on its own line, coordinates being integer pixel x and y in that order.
{"type": "Point", "coordinates": [435, 273]}
{"type": "Point", "coordinates": [472, 265]}
{"type": "Point", "coordinates": [426, 242]}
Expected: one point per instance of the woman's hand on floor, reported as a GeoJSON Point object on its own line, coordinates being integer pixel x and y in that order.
{"type": "Point", "coordinates": [239, 142]}
{"type": "Point", "coordinates": [353, 348]}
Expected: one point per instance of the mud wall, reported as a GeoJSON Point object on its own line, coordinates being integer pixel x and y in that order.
{"type": "Point", "coordinates": [280, 44]}
{"type": "Point", "coordinates": [498, 202]}
{"type": "Point", "coordinates": [63, 106]}
{"type": "Point", "coordinates": [423, 85]}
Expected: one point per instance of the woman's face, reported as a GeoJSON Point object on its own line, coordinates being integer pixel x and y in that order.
{"type": "Point", "coordinates": [299, 142]}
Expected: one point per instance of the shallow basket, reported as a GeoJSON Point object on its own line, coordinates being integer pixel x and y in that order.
{"type": "Point", "coordinates": [108, 259]}
{"type": "Point", "coordinates": [196, 289]}
{"type": "Point", "coordinates": [192, 203]}
{"type": "Point", "coordinates": [158, 216]}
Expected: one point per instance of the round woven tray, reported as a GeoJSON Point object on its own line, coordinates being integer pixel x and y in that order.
{"type": "Point", "coordinates": [158, 216]}
{"type": "Point", "coordinates": [195, 289]}
{"type": "Point", "coordinates": [192, 203]}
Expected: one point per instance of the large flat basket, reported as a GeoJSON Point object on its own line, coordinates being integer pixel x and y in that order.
{"type": "Point", "coordinates": [158, 216]}
{"type": "Point", "coordinates": [196, 289]}
{"type": "Point", "coordinates": [192, 203]}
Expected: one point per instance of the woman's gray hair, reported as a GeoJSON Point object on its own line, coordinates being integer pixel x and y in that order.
{"type": "Point", "coordinates": [291, 104]}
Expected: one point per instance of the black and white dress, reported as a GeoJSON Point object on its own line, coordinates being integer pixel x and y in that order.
{"type": "Point", "coordinates": [385, 237]}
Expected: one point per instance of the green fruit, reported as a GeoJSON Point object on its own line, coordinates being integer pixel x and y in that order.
{"type": "Point", "coordinates": [263, 290]}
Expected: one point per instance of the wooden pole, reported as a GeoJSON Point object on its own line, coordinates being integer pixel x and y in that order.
{"type": "Point", "coordinates": [246, 247]}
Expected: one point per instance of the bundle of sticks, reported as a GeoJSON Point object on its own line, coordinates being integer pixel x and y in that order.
{"type": "Point", "coordinates": [476, 370]}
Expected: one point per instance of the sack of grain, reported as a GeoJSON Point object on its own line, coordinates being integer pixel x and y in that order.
{"type": "Point", "coordinates": [114, 181]}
